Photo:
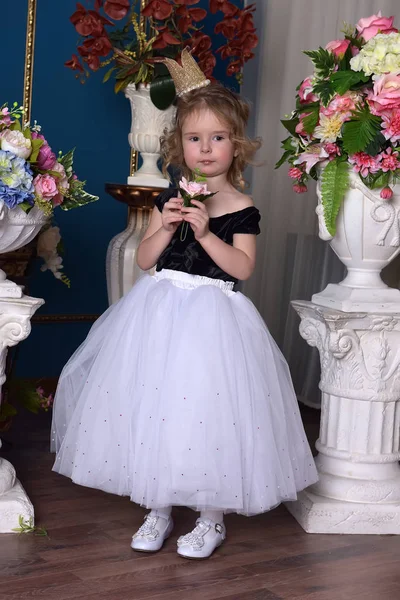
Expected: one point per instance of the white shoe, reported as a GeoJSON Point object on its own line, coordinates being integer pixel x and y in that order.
{"type": "Point", "coordinates": [202, 541]}
{"type": "Point", "coordinates": [152, 534]}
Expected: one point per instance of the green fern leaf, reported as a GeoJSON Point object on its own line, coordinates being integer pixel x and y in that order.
{"type": "Point", "coordinates": [335, 183]}
{"type": "Point", "coordinates": [342, 81]}
{"type": "Point", "coordinates": [325, 90]}
{"type": "Point", "coordinates": [362, 128]}
{"type": "Point", "coordinates": [323, 60]}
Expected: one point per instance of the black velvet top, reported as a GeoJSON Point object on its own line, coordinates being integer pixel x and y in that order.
{"type": "Point", "coordinates": [189, 256]}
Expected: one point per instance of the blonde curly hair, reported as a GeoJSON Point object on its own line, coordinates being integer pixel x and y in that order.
{"type": "Point", "coordinates": [229, 108]}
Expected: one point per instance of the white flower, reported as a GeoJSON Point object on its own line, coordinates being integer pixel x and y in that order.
{"type": "Point", "coordinates": [15, 142]}
{"type": "Point", "coordinates": [329, 128]}
{"type": "Point", "coordinates": [47, 249]}
{"type": "Point", "coordinates": [381, 54]}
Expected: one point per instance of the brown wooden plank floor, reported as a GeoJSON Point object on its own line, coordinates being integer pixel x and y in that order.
{"type": "Point", "coordinates": [87, 555]}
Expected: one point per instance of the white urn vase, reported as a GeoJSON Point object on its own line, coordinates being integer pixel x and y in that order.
{"type": "Point", "coordinates": [367, 239]}
{"type": "Point", "coordinates": [148, 125]}
{"type": "Point", "coordinates": [17, 228]}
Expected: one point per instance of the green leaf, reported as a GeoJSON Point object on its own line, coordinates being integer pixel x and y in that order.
{"type": "Point", "coordinates": [362, 128]}
{"type": "Point", "coordinates": [323, 60]}
{"type": "Point", "coordinates": [376, 180]}
{"type": "Point", "coordinates": [325, 90]}
{"type": "Point", "coordinates": [284, 158]}
{"type": "Point", "coordinates": [290, 125]}
{"type": "Point", "coordinates": [67, 162]}
{"type": "Point", "coordinates": [25, 206]}
{"type": "Point", "coordinates": [7, 411]}
{"type": "Point", "coordinates": [77, 197]}
{"type": "Point", "coordinates": [36, 145]}
{"type": "Point", "coordinates": [334, 184]}
{"type": "Point", "coordinates": [311, 120]}
{"type": "Point", "coordinates": [376, 145]}
{"type": "Point", "coordinates": [108, 74]}
{"type": "Point", "coordinates": [16, 126]}
{"type": "Point", "coordinates": [289, 144]}
{"type": "Point", "coordinates": [342, 81]}
{"type": "Point", "coordinates": [162, 92]}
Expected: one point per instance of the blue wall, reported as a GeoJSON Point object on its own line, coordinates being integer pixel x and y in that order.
{"type": "Point", "coordinates": [96, 121]}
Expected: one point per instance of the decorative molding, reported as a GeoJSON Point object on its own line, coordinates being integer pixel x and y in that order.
{"type": "Point", "coordinates": [29, 58]}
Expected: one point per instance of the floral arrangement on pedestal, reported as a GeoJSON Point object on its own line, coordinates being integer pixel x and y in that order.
{"type": "Point", "coordinates": [32, 175]}
{"type": "Point", "coordinates": [171, 25]}
{"type": "Point", "coordinates": [347, 115]}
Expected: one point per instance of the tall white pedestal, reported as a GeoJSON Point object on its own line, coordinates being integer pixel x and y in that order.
{"type": "Point", "coordinates": [15, 326]}
{"type": "Point", "coordinates": [359, 448]}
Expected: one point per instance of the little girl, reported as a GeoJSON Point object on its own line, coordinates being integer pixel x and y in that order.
{"type": "Point", "coordinates": [179, 395]}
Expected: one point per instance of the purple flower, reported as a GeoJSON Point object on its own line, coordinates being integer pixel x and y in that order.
{"type": "Point", "coordinates": [46, 158]}
{"type": "Point", "coordinates": [12, 196]}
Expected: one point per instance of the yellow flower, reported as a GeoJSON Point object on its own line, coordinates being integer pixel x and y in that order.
{"type": "Point", "coordinates": [329, 128]}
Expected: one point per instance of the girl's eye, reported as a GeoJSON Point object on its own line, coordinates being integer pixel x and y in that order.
{"type": "Point", "coordinates": [219, 138]}
{"type": "Point", "coordinates": [194, 139]}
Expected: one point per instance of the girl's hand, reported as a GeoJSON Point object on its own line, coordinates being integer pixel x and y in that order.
{"type": "Point", "coordinates": [198, 219]}
{"type": "Point", "coordinates": [171, 215]}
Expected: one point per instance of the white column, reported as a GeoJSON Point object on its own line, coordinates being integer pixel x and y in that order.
{"type": "Point", "coordinates": [359, 451]}
{"type": "Point", "coordinates": [15, 315]}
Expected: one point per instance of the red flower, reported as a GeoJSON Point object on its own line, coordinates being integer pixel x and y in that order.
{"type": "Point", "coordinates": [93, 62]}
{"type": "Point", "coordinates": [234, 67]}
{"type": "Point", "coordinates": [117, 9]}
{"type": "Point", "coordinates": [227, 8]}
{"type": "Point", "coordinates": [74, 64]}
{"type": "Point", "coordinates": [187, 16]}
{"type": "Point", "coordinates": [248, 42]}
{"type": "Point", "coordinates": [246, 20]}
{"type": "Point", "coordinates": [207, 62]}
{"type": "Point", "coordinates": [158, 9]}
{"type": "Point", "coordinates": [200, 43]}
{"type": "Point", "coordinates": [186, 2]}
{"type": "Point", "coordinates": [100, 46]}
{"type": "Point", "coordinates": [98, 4]}
{"type": "Point", "coordinates": [165, 39]}
{"type": "Point", "coordinates": [87, 22]}
{"type": "Point", "coordinates": [227, 27]}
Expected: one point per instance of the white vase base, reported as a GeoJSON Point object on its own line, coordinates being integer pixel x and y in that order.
{"type": "Point", "coordinates": [148, 181]}
{"type": "Point", "coordinates": [9, 289]}
{"type": "Point", "coordinates": [347, 299]}
{"type": "Point", "coordinates": [13, 505]}
{"type": "Point", "coordinates": [318, 514]}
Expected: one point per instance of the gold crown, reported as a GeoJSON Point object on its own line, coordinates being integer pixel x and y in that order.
{"type": "Point", "coordinates": [187, 77]}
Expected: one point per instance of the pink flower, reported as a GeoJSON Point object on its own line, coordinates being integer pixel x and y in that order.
{"type": "Point", "coordinates": [46, 157]}
{"type": "Point", "coordinates": [311, 157]}
{"type": "Point", "coordinates": [62, 181]}
{"type": "Point", "coordinates": [58, 199]}
{"type": "Point", "coordinates": [332, 149]}
{"type": "Point", "coordinates": [388, 160]}
{"type": "Point", "coordinates": [300, 125]}
{"type": "Point", "coordinates": [364, 163]}
{"type": "Point", "coordinates": [338, 47]}
{"type": "Point", "coordinates": [5, 118]}
{"type": "Point", "coordinates": [391, 125]}
{"type": "Point", "coordinates": [305, 92]}
{"type": "Point", "coordinates": [194, 188]}
{"type": "Point", "coordinates": [295, 173]}
{"type": "Point", "coordinates": [299, 188]}
{"type": "Point", "coordinates": [45, 186]}
{"type": "Point", "coordinates": [341, 104]}
{"type": "Point", "coordinates": [385, 95]}
{"type": "Point", "coordinates": [386, 193]}
{"type": "Point", "coordinates": [370, 26]}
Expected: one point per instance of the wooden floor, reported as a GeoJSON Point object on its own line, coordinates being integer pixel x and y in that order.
{"type": "Point", "coordinates": [87, 554]}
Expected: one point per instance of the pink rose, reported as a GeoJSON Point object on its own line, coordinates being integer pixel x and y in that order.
{"type": "Point", "coordinates": [62, 181]}
{"type": "Point", "coordinates": [194, 188]}
{"type": "Point", "coordinates": [338, 47]}
{"type": "Point", "coordinates": [370, 26]}
{"type": "Point", "coordinates": [386, 94]}
{"type": "Point", "coordinates": [45, 186]}
{"type": "Point", "coordinates": [305, 92]}
{"type": "Point", "coordinates": [341, 104]}
{"type": "Point", "coordinates": [58, 199]}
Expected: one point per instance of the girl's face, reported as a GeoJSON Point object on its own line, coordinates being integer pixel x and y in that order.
{"type": "Point", "coordinates": [206, 143]}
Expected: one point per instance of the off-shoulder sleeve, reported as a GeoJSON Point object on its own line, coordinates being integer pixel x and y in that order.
{"type": "Point", "coordinates": [247, 221]}
{"type": "Point", "coordinates": [164, 197]}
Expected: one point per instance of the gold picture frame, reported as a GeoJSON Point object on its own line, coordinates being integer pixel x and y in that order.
{"type": "Point", "coordinates": [29, 58]}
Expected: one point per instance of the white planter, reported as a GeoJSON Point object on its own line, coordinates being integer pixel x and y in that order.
{"type": "Point", "coordinates": [16, 230]}
{"type": "Point", "coordinates": [367, 239]}
{"type": "Point", "coordinates": [148, 125]}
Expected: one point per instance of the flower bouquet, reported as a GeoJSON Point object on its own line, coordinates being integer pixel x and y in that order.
{"type": "Point", "coordinates": [193, 190]}
{"type": "Point", "coordinates": [136, 56]}
{"type": "Point", "coordinates": [347, 116]}
{"type": "Point", "coordinates": [32, 175]}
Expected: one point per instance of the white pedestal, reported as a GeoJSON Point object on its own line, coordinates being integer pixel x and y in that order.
{"type": "Point", "coordinates": [15, 315]}
{"type": "Point", "coordinates": [121, 267]}
{"type": "Point", "coordinates": [359, 445]}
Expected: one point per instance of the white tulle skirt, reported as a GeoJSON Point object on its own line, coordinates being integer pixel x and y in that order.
{"type": "Point", "coordinates": [180, 396]}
